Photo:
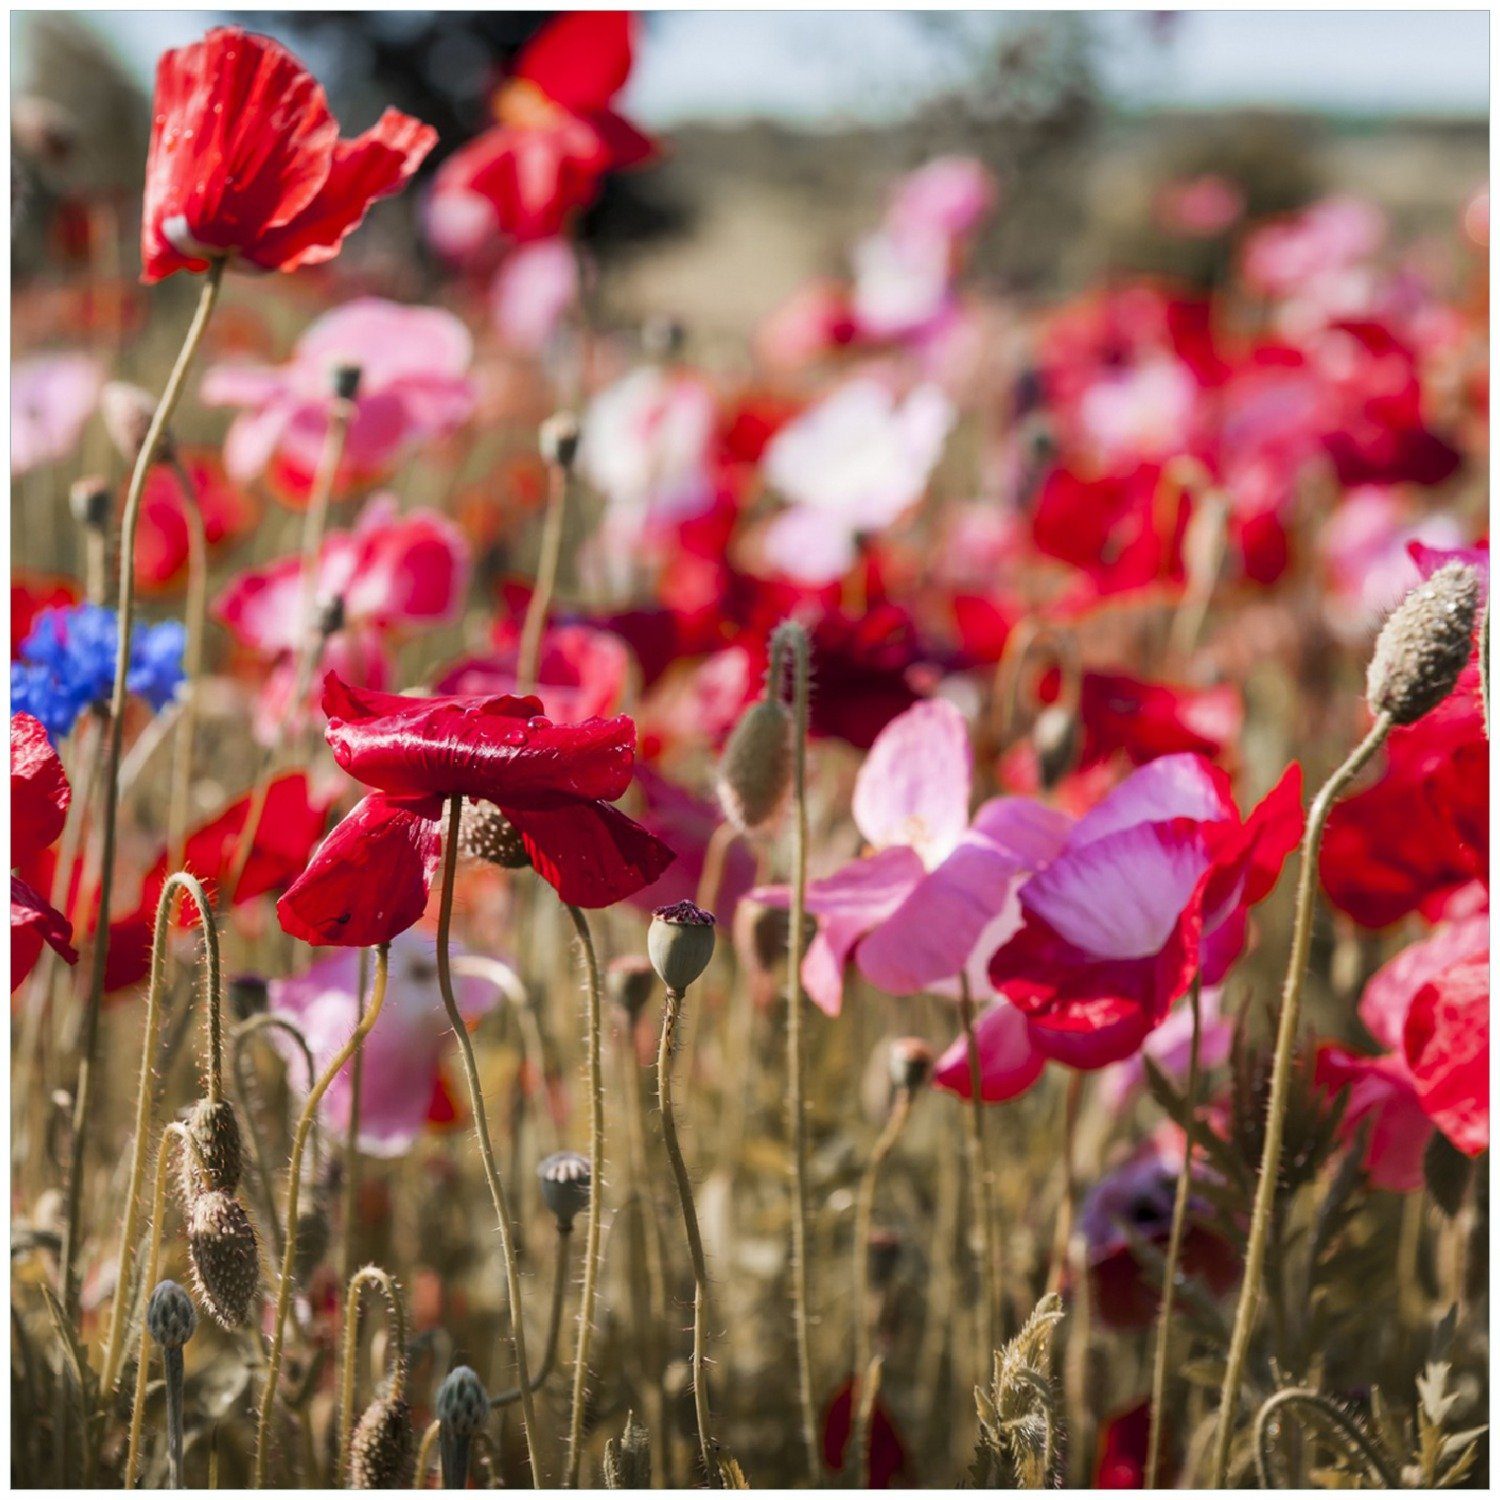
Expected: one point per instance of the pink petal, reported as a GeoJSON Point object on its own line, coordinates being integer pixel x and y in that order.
{"type": "Point", "coordinates": [1009, 1060]}
{"type": "Point", "coordinates": [1388, 995]}
{"type": "Point", "coordinates": [1172, 786]}
{"type": "Point", "coordinates": [913, 788]}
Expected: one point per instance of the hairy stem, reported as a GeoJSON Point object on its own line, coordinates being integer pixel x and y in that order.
{"type": "Point", "coordinates": [1357, 1442]}
{"type": "Point", "coordinates": [554, 1324]}
{"type": "Point", "coordinates": [529, 654]}
{"type": "Point", "coordinates": [990, 1278]}
{"type": "Point", "coordinates": [195, 609]}
{"type": "Point", "coordinates": [351, 1134]}
{"type": "Point", "coordinates": [368, 1277]}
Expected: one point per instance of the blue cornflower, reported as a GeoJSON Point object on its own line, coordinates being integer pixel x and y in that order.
{"type": "Point", "coordinates": [68, 663]}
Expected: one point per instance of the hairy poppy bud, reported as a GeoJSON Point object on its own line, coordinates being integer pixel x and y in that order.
{"type": "Point", "coordinates": [680, 941]}
{"type": "Point", "coordinates": [170, 1315]}
{"type": "Point", "coordinates": [127, 412]}
{"type": "Point", "coordinates": [484, 832]}
{"type": "Point", "coordinates": [249, 995]}
{"type": "Point", "coordinates": [755, 770]}
{"type": "Point", "coordinates": [630, 981]}
{"type": "Point", "coordinates": [557, 438]}
{"type": "Point", "coordinates": [88, 499]}
{"type": "Point", "coordinates": [462, 1403]}
{"type": "Point", "coordinates": [567, 1179]}
{"type": "Point", "coordinates": [225, 1257]}
{"type": "Point", "coordinates": [911, 1063]}
{"type": "Point", "coordinates": [1055, 738]}
{"type": "Point", "coordinates": [215, 1133]}
{"type": "Point", "coordinates": [382, 1453]}
{"type": "Point", "coordinates": [346, 378]}
{"type": "Point", "coordinates": [1424, 645]}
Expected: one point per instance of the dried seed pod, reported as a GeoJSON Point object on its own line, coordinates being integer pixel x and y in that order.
{"type": "Point", "coordinates": [1424, 645]}
{"type": "Point", "coordinates": [911, 1063]}
{"type": "Point", "coordinates": [557, 438]}
{"type": "Point", "coordinates": [462, 1402]}
{"type": "Point", "coordinates": [215, 1133]}
{"type": "Point", "coordinates": [567, 1179]}
{"type": "Point", "coordinates": [755, 770]}
{"type": "Point", "coordinates": [382, 1452]}
{"type": "Point", "coordinates": [680, 942]}
{"type": "Point", "coordinates": [225, 1257]}
{"type": "Point", "coordinates": [484, 832]}
{"type": "Point", "coordinates": [170, 1315]}
{"type": "Point", "coordinates": [89, 500]}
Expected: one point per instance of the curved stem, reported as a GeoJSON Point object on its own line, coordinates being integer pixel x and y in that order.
{"type": "Point", "coordinates": [720, 841]}
{"type": "Point", "coordinates": [979, 1172]}
{"type": "Point", "coordinates": [83, 1093]}
{"type": "Point", "coordinates": [796, 643]}
{"type": "Point", "coordinates": [1281, 1072]}
{"type": "Point", "coordinates": [195, 609]}
{"type": "Point", "coordinates": [1359, 1443]}
{"type": "Point", "coordinates": [129, 1228]}
{"type": "Point", "coordinates": [554, 1325]}
{"type": "Point", "coordinates": [864, 1417]}
{"type": "Point", "coordinates": [424, 1453]}
{"type": "Point", "coordinates": [595, 1027]}
{"type": "Point", "coordinates": [529, 653]}
{"type": "Point", "coordinates": [293, 1188]}
{"type": "Point", "coordinates": [482, 1137]}
{"type": "Point", "coordinates": [367, 1276]}
{"type": "Point", "coordinates": [1174, 1240]}
{"type": "Point", "coordinates": [664, 1053]}
{"type": "Point", "coordinates": [351, 1134]}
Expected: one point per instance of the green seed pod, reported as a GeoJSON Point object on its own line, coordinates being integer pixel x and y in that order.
{"type": "Point", "coordinates": [215, 1133]}
{"type": "Point", "coordinates": [567, 1180]}
{"type": "Point", "coordinates": [225, 1257]}
{"type": "Point", "coordinates": [755, 770]}
{"type": "Point", "coordinates": [1424, 645]}
{"type": "Point", "coordinates": [382, 1452]}
{"type": "Point", "coordinates": [680, 941]}
{"type": "Point", "coordinates": [557, 439]}
{"type": "Point", "coordinates": [911, 1063]}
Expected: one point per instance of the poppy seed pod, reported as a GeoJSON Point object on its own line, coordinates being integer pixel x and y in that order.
{"type": "Point", "coordinates": [557, 439]}
{"type": "Point", "coordinates": [567, 1180]}
{"type": "Point", "coordinates": [126, 411]}
{"type": "Point", "coordinates": [225, 1257]}
{"type": "Point", "coordinates": [484, 832]}
{"type": "Point", "coordinates": [1055, 738]}
{"type": "Point", "coordinates": [215, 1133]}
{"type": "Point", "coordinates": [88, 499]}
{"type": "Point", "coordinates": [911, 1063]}
{"type": "Point", "coordinates": [630, 981]}
{"type": "Point", "coordinates": [346, 378]}
{"type": "Point", "coordinates": [755, 770]}
{"type": "Point", "coordinates": [170, 1315]}
{"type": "Point", "coordinates": [462, 1403]}
{"type": "Point", "coordinates": [680, 941]}
{"type": "Point", "coordinates": [1424, 645]}
{"type": "Point", "coordinates": [382, 1454]}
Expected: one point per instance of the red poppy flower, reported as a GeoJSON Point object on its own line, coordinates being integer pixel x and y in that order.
{"type": "Point", "coordinates": [39, 797]}
{"type": "Point", "coordinates": [1124, 1447]}
{"type": "Point", "coordinates": [246, 161]}
{"type": "Point", "coordinates": [887, 1455]}
{"type": "Point", "coordinates": [371, 876]}
{"type": "Point", "coordinates": [161, 547]}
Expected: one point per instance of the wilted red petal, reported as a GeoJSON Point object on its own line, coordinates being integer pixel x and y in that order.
{"type": "Point", "coordinates": [32, 923]}
{"type": "Point", "coordinates": [39, 791]}
{"type": "Point", "coordinates": [590, 852]}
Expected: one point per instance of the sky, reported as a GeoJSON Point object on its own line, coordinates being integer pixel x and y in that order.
{"type": "Point", "coordinates": [831, 67]}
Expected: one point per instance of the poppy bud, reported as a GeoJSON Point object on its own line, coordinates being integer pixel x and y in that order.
{"type": "Point", "coordinates": [1424, 645]}
{"type": "Point", "coordinates": [346, 379]}
{"type": "Point", "coordinates": [557, 438]}
{"type": "Point", "coordinates": [630, 981]}
{"type": "Point", "coordinates": [42, 130]}
{"type": "Point", "coordinates": [484, 832]}
{"type": "Point", "coordinates": [755, 770]}
{"type": "Point", "coordinates": [127, 412]}
{"type": "Point", "coordinates": [762, 935]}
{"type": "Point", "coordinates": [249, 995]}
{"type": "Point", "coordinates": [215, 1133]}
{"type": "Point", "coordinates": [680, 941]}
{"type": "Point", "coordinates": [382, 1454]}
{"type": "Point", "coordinates": [170, 1315]}
{"type": "Point", "coordinates": [88, 499]}
{"type": "Point", "coordinates": [314, 1235]}
{"type": "Point", "coordinates": [911, 1063]}
{"type": "Point", "coordinates": [1055, 738]}
{"type": "Point", "coordinates": [566, 1179]}
{"type": "Point", "coordinates": [225, 1257]}
{"type": "Point", "coordinates": [462, 1403]}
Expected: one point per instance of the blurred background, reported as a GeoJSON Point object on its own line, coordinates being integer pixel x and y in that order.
{"type": "Point", "coordinates": [784, 129]}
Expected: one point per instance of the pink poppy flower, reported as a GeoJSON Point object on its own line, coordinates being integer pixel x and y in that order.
{"type": "Point", "coordinates": [1382, 1102]}
{"type": "Point", "coordinates": [401, 1070]}
{"type": "Point", "coordinates": [1150, 886]}
{"type": "Point", "coordinates": [1330, 236]}
{"type": "Point", "coordinates": [949, 196]}
{"type": "Point", "coordinates": [938, 892]}
{"type": "Point", "coordinates": [414, 386]}
{"type": "Point", "coordinates": [1200, 207]}
{"type": "Point", "coordinates": [531, 294]}
{"type": "Point", "coordinates": [52, 397]}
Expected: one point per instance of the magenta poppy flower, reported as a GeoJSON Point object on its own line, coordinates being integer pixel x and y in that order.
{"type": "Point", "coordinates": [52, 396]}
{"type": "Point", "coordinates": [402, 1055]}
{"type": "Point", "coordinates": [531, 294]}
{"type": "Point", "coordinates": [370, 878]}
{"type": "Point", "coordinates": [937, 893]}
{"type": "Point", "coordinates": [414, 386]}
{"type": "Point", "coordinates": [1150, 886]}
{"type": "Point", "coordinates": [39, 797]}
{"type": "Point", "coordinates": [1382, 1105]}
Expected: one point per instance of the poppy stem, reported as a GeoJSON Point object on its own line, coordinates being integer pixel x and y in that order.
{"type": "Point", "coordinates": [293, 1188]}
{"type": "Point", "coordinates": [1174, 1240]}
{"type": "Point", "coordinates": [195, 612]}
{"type": "Point", "coordinates": [1281, 1072]}
{"type": "Point", "coordinates": [368, 1276]}
{"type": "Point", "coordinates": [482, 1137]}
{"type": "Point", "coordinates": [130, 1227]}
{"type": "Point", "coordinates": [671, 1015]}
{"type": "Point", "coordinates": [351, 1135]}
{"type": "Point", "coordinates": [1063, 1233]}
{"type": "Point", "coordinates": [528, 656]}
{"type": "Point", "coordinates": [864, 1417]}
{"type": "Point", "coordinates": [554, 1323]}
{"type": "Point", "coordinates": [792, 638]}
{"type": "Point", "coordinates": [83, 1093]}
{"type": "Point", "coordinates": [990, 1276]}
{"type": "Point", "coordinates": [596, 1163]}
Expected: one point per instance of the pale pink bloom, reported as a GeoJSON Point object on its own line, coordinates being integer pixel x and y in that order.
{"type": "Point", "coordinates": [901, 283]}
{"type": "Point", "coordinates": [414, 386]}
{"type": "Point", "coordinates": [531, 293]}
{"type": "Point", "coordinates": [948, 196]}
{"type": "Point", "coordinates": [1142, 413]}
{"type": "Point", "coordinates": [1332, 235]}
{"type": "Point", "coordinates": [1200, 207]}
{"type": "Point", "coordinates": [850, 465]}
{"type": "Point", "coordinates": [402, 1051]}
{"type": "Point", "coordinates": [52, 397]}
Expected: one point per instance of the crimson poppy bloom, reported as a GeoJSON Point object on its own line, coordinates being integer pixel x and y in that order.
{"type": "Point", "coordinates": [161, 548]}
{"type": "Point", "coordinates": [39, 797]}
{"type": "Point", "coordinates": [887, 1452]}
{"type": "Point", "coordinates": [246, 162]}
{"type": "Point", "coordinates": [370, 878]}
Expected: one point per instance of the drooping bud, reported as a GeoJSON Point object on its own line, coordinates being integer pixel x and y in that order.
{"type": "Point", "coordinates": [1055, 737]}
{"type": "Point", "coordinates": [762, 935]}
{"type": "Point", "coordinates": [215, 1133]}
{"type": "Point", "coordinates": [567, 1180]}
{"type": "Point", "coordinates": [88, 499]}
{"type": "Point", "coordinates": [911, 1063]}
{"type": "Point", "coordinates": [557, 439]}
{"type": "Point", "coordinates": [170, 1315]}
{"type": "Point", "coordinates": [755, 770]}
{"type": "Point", "coordinates": [630, 981]}
{"type": "Point", "coordinates": [462, 1402]}
{"type": "Point", "coordinates": [1424, 645]}
{"type": "Point", "coordinates": [484, 832]}
{"type": "Point", "coordinates": [382, 1451]}
{"type": "Point", "coordinates": [225, 1257]}
{"type": "Point", "coordinates": [126, 411]}
{"type": "Point", "coordinates": [627, 1459]}
{"type": "Point", "coordinates": [680, 941]}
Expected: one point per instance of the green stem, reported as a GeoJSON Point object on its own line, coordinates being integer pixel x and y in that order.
{"type": "Point", "coordinates": [1174, 1241]}
{"type": "Point", "coordinates": [195, 610]}
{"type": "Point", "coordinates": [1281, 1072]}
{"type": "Point", "coordinates": [293, 1188]}
{"type": "Point", "coordinates": [367, 1276]}
{"type": "Point", "coordinates": [979, 1171]}
{"type": "Point", "coordinates": [351, 1135]}
{"type": "Point", "coordinates": [83, 1093]}
{"type": "Point", "coordinates": [554, 1324]}
{"type": "Point", "coordinates": [529, 654]}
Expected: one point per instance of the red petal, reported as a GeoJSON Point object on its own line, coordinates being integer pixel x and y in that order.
{"type": "Point", "coordinates": [39, 791]}
{"type": "Point", "coordinates": [30, 594]}
{"type": "Point", "coordinates": [343, 700]}
{"type": "Point", "coordinates": [369, 879]}
{"type": "Point", "coordinates": [581, 60]}
{"type": "Point", "coordinates": [590, 852]}
{"type": "Point", "coordinates": [1447, 1046]}
{"type": "Point", "coordinates": [33, 922]}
